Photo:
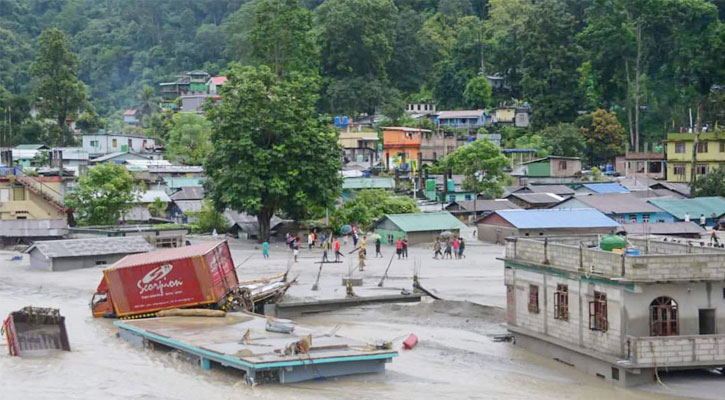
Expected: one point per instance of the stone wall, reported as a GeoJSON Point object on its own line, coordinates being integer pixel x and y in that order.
{"type": "Point", "coordinates": [677, 350]}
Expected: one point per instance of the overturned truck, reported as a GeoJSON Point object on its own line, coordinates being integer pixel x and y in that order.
{"type": "Point", "coordinates": [198, 276]}
{"type": "Point", "coordinates": [35, 331]}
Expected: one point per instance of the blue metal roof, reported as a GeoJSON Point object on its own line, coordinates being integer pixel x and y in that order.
{"type": "Point", "coordinates": [557, 218]}
{"type": "Point", "coordinates": [606, 188]}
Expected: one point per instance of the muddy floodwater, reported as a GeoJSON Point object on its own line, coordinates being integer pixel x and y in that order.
{"type": "Point", "coordinates": [455, 359]}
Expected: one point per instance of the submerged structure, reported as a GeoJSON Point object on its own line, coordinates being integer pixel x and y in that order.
{"type": "Point", "coordinates": [619, 315]}
{"type": "Point", "coordinates": [256, 346]}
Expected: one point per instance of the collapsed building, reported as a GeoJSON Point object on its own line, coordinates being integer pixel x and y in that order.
{"type": "Point", "coordinates": [621, 317]}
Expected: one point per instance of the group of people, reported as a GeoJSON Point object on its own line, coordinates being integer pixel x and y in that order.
{"type": "Point", "coordinates": [449, 248]}
{"type": "Point", "coordinates": [401, 248]}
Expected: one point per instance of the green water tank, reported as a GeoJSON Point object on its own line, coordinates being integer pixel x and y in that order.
{"type": "Point", "coordinates": [451, 185]}
{"type": "Point", "coordinates": [611, 242]}
{"type": "Point", "coordinates": [430, 185]}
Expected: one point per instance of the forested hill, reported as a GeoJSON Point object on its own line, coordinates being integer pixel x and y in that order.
{"type": "Point", "coordinates": [646, 60]}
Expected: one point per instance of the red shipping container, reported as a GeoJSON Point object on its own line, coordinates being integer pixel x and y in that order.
{"type": "Point", "coordinates": [171, 278]}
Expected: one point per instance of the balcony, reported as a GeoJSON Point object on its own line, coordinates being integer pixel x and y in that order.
{"type": "Point", "coordinates": [675, 351]}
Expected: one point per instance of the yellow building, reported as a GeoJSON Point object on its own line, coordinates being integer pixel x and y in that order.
{"type": "Point", "coordinates": [710, 154]}
{"type": "Point", "coordinates": [24, 197]}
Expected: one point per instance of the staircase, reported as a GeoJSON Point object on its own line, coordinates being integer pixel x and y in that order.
{"type": "Point", "coordinates": [41, 189]}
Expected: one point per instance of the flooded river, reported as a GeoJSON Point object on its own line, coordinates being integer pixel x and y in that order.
{"type": "Point", "coordinates": [456, 357]}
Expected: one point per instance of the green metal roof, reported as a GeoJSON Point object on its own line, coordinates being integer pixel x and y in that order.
{"type": "Point", "coordinates": [711, 207]}
{"type": "Point", "coordinates": [368, 183]}
{"type": "Point", "coordinates": [436, 221]}
{"type": "Point", "coordinates": [30, 146]}
{"type": "Point", "coordinates": [175, 183]}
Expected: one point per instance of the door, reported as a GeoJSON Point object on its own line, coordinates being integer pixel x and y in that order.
{"type": "Point", "coordinates": [707, 321]}
{"type": "Point", "coordinates": [4, 195]}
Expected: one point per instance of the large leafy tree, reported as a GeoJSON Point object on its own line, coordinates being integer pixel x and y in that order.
{"type": "Point", "coordinates": [272, 152]}
{"type": "Point", "coordinates": [710, 184]}
{"type": "Point", "coordinates": [478, 92]}
{"type": "Point", "coordinates": [563, 139]}
{"type": "Point", "coordinates": [148, 104]}
{"type": "Point", "coordinates": [188, 141]}
{"type": "Point", "coordinates": [550, 61]}
{"type": "Point", "coordinates": [369, 205]}
{"type": "Point", "coordinates": [102, 196]}
{"type": "Point", "coordinates": [60, 94]}
{"type": "Point", "coordinates": [604, 136]}
{"type": "Point", "coordinates": [482, 163]}
{"type": "Point", "coordinates": [282, 36]}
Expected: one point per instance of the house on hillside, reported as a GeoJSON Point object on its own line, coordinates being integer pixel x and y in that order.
{"type": "Point", "coordinates": [497, 226]}
{"type": "Point", "coordinates": [99, 144]}
{"type": "Point", "coordinates": [359, 146]}
{"type": "Point", "coordinates": [401, 147]}
{"type": "Point", "coordinates": [624, 208]}
{"type": "Point", "coordinates": [461, 119]}
{"type": "Point", "coordinates": [417, 227]}
{"type": "Point", "coordinates": [131, 117]}
{"type": "Point", "coordinates": [517, 116]}
{"type": "Point", "coordinates": [214, 84]}
{"type": "Point", "coordinates": [548, 170]}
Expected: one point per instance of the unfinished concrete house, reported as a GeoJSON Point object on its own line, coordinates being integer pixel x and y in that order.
{"type": "Point", "coordinates": [621, 317]}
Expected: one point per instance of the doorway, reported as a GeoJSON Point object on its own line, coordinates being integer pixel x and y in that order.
{"type": "Point", "coordinates": [707, 321]}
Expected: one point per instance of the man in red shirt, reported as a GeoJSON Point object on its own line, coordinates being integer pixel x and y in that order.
{"type": "Point", "coordinates": [336, 246]}
{"type": "Point", "coordinates": [399, 247]}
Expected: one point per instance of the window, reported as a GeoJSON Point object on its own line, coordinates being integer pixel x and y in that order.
{"type": "Point", "coordinates": [390, 239]}
{"type": "Point", "coordinates": [679, 147]}
{"type": "Point", "coordinates": [706, 318]}
{"type": "Point", "coordinates": [115, 143]}
{"type": "Point", "coordinates": [645, 217]}
{"type": "Point", "coordinates": [615, 374]}
{"type": "Point", "coordinates": [19, 193]}
{"type": "Point", "coordinates": [562, 164]}
{"type": "Point", "coordinates": [655, 167]}
{"type": "Point", "coordinates": [561, 302]}
{"type": "Point", "coordinates": [640, 166]}
{"type": "Point", "coordinates": [101, 262]}
{"type": "Point", "coordinates": [94, 143]}
{"type": "Point", "coordinates": [702, 147]}
{"type": "Point", "coordinates": [663, 317]}
{"type": "Point", "coordinates": [633, 218]}
{"type": "Point", "coordinates": [533, 299]}
{"type": "Point", "coordinates": [452, 198]}
{"type": "Point", "coordinates": [679, 169]}
{"type": "Point", "coordinates": [598, 312]}
{"type": "Point", "coordinates": [701, 169]}
{"type": "Point", "coordinates": [722, 146]}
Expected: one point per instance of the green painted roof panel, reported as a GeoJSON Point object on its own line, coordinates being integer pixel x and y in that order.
{"type": "Point", "coordinates": [368, 183]}
{"type": "Point", "coordinates": [711, 207]}
{"type": "Point", "coordinates": [419, 222]}
{"type": "Point", "coordinates": [175, 183]}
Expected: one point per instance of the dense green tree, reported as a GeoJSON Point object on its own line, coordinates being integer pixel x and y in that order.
{"type": "Point", "coordinates": [189, 139]}
{"type": "Point", "coordinates": [59, 92]}
{"type": "Point", "coordinates": [478, 92]}
{"type": "Point", "coordinates": [563, 139]}
{"type": "Point", "coordinates": [604, 136]}
{"type": "Point", "coordinates": [549, 64]}
{"type": "Point", "coordinates": [271, 150]}
{"type": "Point", "coordinates": [209, 219]}
{"type": "Point", "coordinates": [710, 184]}
{"type": "Point", "coordinates": [148, 104]}
{"type": "Point", "coordinates": [370, 205]}
{"type": "Point", "coordinates": [282, 37]}
{"type": "Point", "coordinates": [482, 163]}
{"type": "Point", "coordinates": [102, 196]}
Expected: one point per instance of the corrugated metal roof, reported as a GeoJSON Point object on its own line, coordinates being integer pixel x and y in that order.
{"type": "Point", "coordinates": [555, 189]}
{"type": "Point", "coordinates": [486, 205]}
{"type": "Point", "coordinates": [460, 114]}
{"type": "Point", "coordinates": [137, 213]}
{"type": "Point", "coordinates": [188, 193]}
{"type": "Point", "coordinates": [404, 129]}
{"type": "Point", "coordinates": [188, 205]}
{"type": "Point", "coordinates": [31, 146]}
{"type": "Point", "coordinates": [183, 182]}
{"type": "Point", "coordinates": [537, 198]}
{"type": "Point", "coordinates": [368, 183]}
{"type": "Point", "coordinates": [616, 203]}
{"type": "Point", "coordinates": [557, 218]}
{"type": "Point", "coordinates": [91, 247]}
{"type": "Point", "coordinates": [111, 156]}
{"type": "Point", "coordinates": [418, 222]}
{"type": "Point", "coordinates": [664, 228]}
{"type": "Point", "coordinates": [681, 188]}
{"type": "Point", "coordinates": [150, 196]}
{"type": "Point", "coordinates": [606, 188]}
{"type": "Point", "coordinates": [165, 255]}
{"type": "Point", "coordinates": [711, 207]}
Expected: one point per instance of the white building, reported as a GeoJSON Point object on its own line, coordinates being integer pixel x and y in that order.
{"type": "Point", "coordinates": [98, 144]}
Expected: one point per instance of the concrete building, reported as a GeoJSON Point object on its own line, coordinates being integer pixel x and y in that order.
{"type": "Point", "coordinates": [26, 197]}
{"type": "Point", "coordinates": [65, 255]}
{"type": "Point", "coordinates": [214, 84]}
{"type": "Point", "coordinates": [26, 231]}
{"type": "Point", "coordinates": [130, 117]}
{"type": "Point", "coordinates": [548, 170]}
{"type": "Point", "coordinates": [436, 145]}
{"type": "Point", "coordinates": [461, 119]}
{"type": "Point", "coordinates": [497, 226]}
{"type": "Point", "coordinates": [99, 144]}
{"type": "Point", "coordinates": [619, 317]}
{"type": "Point", "coordinates": [401, 146]}
{"type": "Point", "coordinates": [510, 115]}
{"type": "Point", "coordinates": [359, 146]}
{"type": "Point", "coordinates": [710, 154]}
{"type": "Point", "coordinates": [624, 208]}
{"type": "Point", "coordinates": [642, 165]}
{"type": "Point", "coordinates": [418, 227]}
{"type": "Point", "coordinates": [166, 236]}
